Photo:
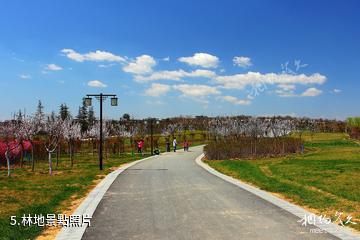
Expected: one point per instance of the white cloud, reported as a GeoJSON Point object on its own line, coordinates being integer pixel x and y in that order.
{"type": "Point", "coordinates": [53, 67]}
{"type": "Point", "coordinates": [166, 59]}
{"type": "Point", "coordinates": [106, 65]}
{"type": "Point", "coordinates": [311, 92]}
{"type": "Point", "coordinates": [196, 90]}
{"type": "Point", "coordinates": [201, 73]}
{"type": "Point", "coordinates": [142, 65]}
{"type": "Point", "coordinates": [242, 62]}
{"type": "Point", "coordinates": [175, 75]}
{"type": "Point", "coordinates": [335, 90]}
{"type": "Point", "coordinates": [287, 87]}
{"type": "Point", "coordinates": [100, 56]}
{"type": "Point", "coordinates": [286, 90]}
{"type": "Point", "coordinates": [201, 59]}
{"type": "Point", "coordinates": [157, 90]}
{"type": "Point", "coordinates": [236, 101]}
{"type": "Point", "coordinates": [240, 81]}
{"type": "Point", "coordinates": [284, 93]}
{"type": "Point", "coordinates": [73, 55]}
{"type": "Point", "coordinates": [96, 83]}
{"type": "Point", "coordinates": [97, 56]}
{"type": "Point", "coordinates": [25, 76]}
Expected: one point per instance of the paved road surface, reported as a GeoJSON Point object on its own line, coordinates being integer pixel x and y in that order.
{"type": "Point", "coordinates": [170, 197]}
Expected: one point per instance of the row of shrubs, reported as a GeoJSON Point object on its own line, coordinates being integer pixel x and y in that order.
{"type": "Point", "coordinates": [354, 132]}
{"type": "Point", "coordinates": [353, 127]}
{"type": "Point", "coordinates": [251, 148]}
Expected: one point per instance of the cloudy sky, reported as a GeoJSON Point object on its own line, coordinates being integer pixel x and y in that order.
{"type": "Point", "coordinates": [192, 58]}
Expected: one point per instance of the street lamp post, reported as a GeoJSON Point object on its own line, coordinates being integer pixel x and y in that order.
{"type": "Point", "coordinates": [101, 97]}
{"type": "Point", "coordinates": [151, 122]}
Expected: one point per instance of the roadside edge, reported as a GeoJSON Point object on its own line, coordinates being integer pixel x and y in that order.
{"type": "Point", "coordinates": [90, 203]}
{"type": "Point", "coordinates": [331, 228]}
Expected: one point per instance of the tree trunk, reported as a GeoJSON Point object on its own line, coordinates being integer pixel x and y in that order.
{"type": "Point", "coordinates": [71, 154]}
{"type": "Point", "coordinates": [106, 149]}
{"type": "Point", "coordinates": [7, 162]}
{"type": "Point", "coordinates": [50, 163]}
{"type": "Point", "coordinates": [132, 148]}
{"type": "Point", "coordinates": [21, 156]}
{"type": "Point", "coordinates": [283, 142]}
{"type": "Point", "coordinates": [32, 157]}
{"type": "Point", "coordinates": [119, 147]}
{"type": "Point", "coordinates": [255, 148]}
{"type": "Point", "coordinates": [57, 156]}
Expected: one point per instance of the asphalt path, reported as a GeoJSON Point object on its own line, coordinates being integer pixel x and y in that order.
{"type": "Point", "coordinates": [171, 197]}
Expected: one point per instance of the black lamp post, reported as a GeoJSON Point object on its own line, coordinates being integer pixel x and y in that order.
{"type": "Point", "coordinates": [101, 97]}
{"type": "Point", "coordinates": [151, 122]}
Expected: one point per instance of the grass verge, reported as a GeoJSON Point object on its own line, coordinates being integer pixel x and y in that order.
{"type": "Point", "coordinates": [26, 192]}
{"type": "Point", "coordinates": [325, 179]}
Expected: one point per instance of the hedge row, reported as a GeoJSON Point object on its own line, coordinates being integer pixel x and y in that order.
{"type": "Point", "coordinates": [251, 148]}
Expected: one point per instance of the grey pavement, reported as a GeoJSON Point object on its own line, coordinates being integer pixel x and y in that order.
{"type": "Point", "coordinates": [171, 197]}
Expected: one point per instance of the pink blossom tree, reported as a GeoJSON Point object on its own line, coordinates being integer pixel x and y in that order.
{"type": "Point", "coordinates": [28, 129]}
{"type": "Point", "coordinates": [53, 128]}
{"type": "Point", "coordinates": [9, 132]}
{"type": "Point", "coordinates": [71, 132]}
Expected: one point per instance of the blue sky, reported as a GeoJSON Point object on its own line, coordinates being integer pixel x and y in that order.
{"type": "Point", "coordinates": [166, 58]}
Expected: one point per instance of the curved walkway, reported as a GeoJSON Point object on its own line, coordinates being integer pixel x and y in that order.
{"type": "Point", "coordinates": [171, 197]}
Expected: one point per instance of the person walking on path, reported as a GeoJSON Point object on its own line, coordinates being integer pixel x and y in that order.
{"type": "Point", "coordinates": [186, 146]}
{"type": "Point", "coordinates": [174, 144]}
{"type": "Point", "coordinates": [140, 146]}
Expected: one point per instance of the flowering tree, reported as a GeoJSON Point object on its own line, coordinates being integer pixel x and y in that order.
{"type": "Point", "coordinates": [221, 127]}
{"type": "Point", "coordinates": [94, 132]}
{"type": "Point", "coordinates": [91, 134]}
{"type": "Point", "coordinates": [121, 133]}
{"type": "Point", "coordinates": [28, 129]}
{"type": "Point", "coordinates": [71, 132]}
{"type": "Point", "coordinates": [252, 127]}
{"type": "Point", "coordinates": [133, 130]}
{"type": "Point", "coordinates": [172, 128]}
{"type": "Point", "coordinates": [53, 128]}
{"type": "Point", "coordinates": [9, 132]}
{"type": "Point", "coordinates": [275, 127]}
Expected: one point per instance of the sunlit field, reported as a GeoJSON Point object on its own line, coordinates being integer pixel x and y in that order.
{"type": "Point", "coordinates": [325, 179]}
{"type": "Point", "coordinates": [27, 192]}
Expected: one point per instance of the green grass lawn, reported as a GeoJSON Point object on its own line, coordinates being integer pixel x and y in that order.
{"type": "Point", "coordinates": [27, 192]}
{"type": "Point", "coordinates": [325, 179]}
